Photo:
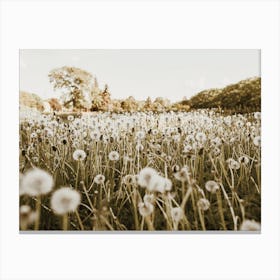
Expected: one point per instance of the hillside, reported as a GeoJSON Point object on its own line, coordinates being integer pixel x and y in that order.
{"type": "Point", "coordinates": [30, 100]}
{"type": "Point", "coordinates": [244, 96]}
{"type": "Point", "coordinates": [241, 97]}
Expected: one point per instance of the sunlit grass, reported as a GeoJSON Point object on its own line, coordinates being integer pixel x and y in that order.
{"type": "Point", "coordinates": [204, 171]}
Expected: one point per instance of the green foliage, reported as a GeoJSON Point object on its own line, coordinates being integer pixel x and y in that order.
{"type": "Point", "coordinates": [244, 96]}
{"type": "Point", "coordinates": [31, 100]}
{"type": "Point", "coordinates": [74, 83]}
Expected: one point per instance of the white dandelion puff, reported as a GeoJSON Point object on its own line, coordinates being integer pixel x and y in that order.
{"type": "Point", "coordinates": [37, 182]}
{"type": "Point", "coordinates": [216, 141]}
{"type": "Point", "coordinates": [203, 204]}
{"type": "Point", "coordinates": [168, 158]}
{"type": "Point", "coordinates": [145, 209]}
{"type": "Point", "coordinates": [187, 149]}
{"type": "Point", "coordinates": [145, 176]}
{"type": "Point", "coordinates": [182, 175]}
{"type": "Point", "coordinates": [175, 168]}
{"type": "Point", "coordinates": [250, 225]}
{"type": "Point", "coordinates": [243, 159]}
{"type": "Point", "coordinates": [70, 118]}
{"type": "Point", "coordinates": [212, 186]}
{"type": "Point", "coordinates": [95, 135]}
{"type": "Point", "coordinates": [216, 151]}
{"type": "Point", "coordinates": [33, 135]}
{"type": "Point", "coordinates": [233, 164]}
{"type": "Point", "coordinates": [167, 184]}
{"type": "Point", "coordinates": [79, 155]}
{"type": "Point", "coordinates": [257, 141]}
{"type": "Point", "coordinates": [65, 200]}
{"type": "Point", "coordinates": [149, 198]}
{"type": "Point", "coordinates": [99, 179]}
{"type": "Point", "coordinates": [257, 115]}
{"type": "Point", "coordinates": [24, 209]}
{"type": "Point", "coordinates": [140, 135]}
{"type": "Point", "coordinates": [129, 180]}
{"type": "Point", "coordinates": [114, 156]}
{"type": "Point", "coordinates": [201, 137]}
{"type": "Point", "coordinates": [27, 216]}
{"type": "Point", "coordinates": [177, 214]}
{"type": "Point", "coordinates": [157, 184]}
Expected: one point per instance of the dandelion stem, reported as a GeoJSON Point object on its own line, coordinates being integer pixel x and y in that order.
{"type": "Point", "coordinates": [77, 175]}
{"type": "Point", "coordinates": [65, 222]}
{"type": "Point", "coordinates": [201, 218]}
{"type": "Point", "coordinates": [136, 221]}
{"type": "Point", "coordinates": [183, 188]}
{"type": "Point", "coordinates": [230, 207]}
{"type": "Point", "coordinates": [149, 223]}
{"type": "Point", "coordinates": [38, 213]}
{"type": "Point", "coordinates": [220, 208]}
{"type": "Point", "coordinates": [79, 220]}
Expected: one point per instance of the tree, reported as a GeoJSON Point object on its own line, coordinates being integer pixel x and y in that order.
{"type": "Point", "coordinates": [129, 104]}
{"type": "Point", "coordinates": [101, 99]}
{"type": "Point", "coordinates": [31, 100]}
{"type": "Point", "coordinates": [75, 85]}
{"type": "Point", "coordinates": [54, 103]}
{"type": "Point", "coordinates": [148, 104]}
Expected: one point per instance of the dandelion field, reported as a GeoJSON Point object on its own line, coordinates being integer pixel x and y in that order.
{"type": "Point", "coordinates": [198, 170]}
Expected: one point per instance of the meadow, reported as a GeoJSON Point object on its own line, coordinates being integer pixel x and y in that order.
{"type": "Point", "coordinates": [197, 170]}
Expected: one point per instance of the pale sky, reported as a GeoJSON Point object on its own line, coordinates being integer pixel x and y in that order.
{"type": "Point", "coordinates": [171, 74]}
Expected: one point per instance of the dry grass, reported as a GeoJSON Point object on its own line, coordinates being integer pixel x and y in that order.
{"type": "Point", "coordinates": [205, 144]}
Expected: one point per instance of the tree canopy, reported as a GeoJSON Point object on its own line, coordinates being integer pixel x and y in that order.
{"type": "Point", "coordinates": [75, 85]}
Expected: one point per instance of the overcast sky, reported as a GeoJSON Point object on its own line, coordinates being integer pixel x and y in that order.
{"type": "Point", "coordinates": [172, 74]}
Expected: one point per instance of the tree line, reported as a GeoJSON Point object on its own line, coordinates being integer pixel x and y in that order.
{"type": "Point", "coordinates": [79, 91]}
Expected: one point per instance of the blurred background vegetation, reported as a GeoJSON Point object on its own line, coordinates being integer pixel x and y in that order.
{"type": "Point", "coordinates": [80, 92]}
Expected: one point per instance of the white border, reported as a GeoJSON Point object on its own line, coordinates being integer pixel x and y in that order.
{"type": "Point", "coordinates": [156, 24]}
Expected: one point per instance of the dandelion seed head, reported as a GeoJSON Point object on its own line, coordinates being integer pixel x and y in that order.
{"type": "Point", "coordinates": [177, 214]}
{"type": "Point", "coordinates": [27, 216]}
{"type": "Point", "coordinates": [257, 115]}
{"type": "Point", "coordinates": [140, 135]}
{"type": "Point", "coordinates": [243, 160]}
{"type": "Point", "coordinates": [216, 141]}
{"type": "Point", "coordinates": [156, 184]}
{"type": "Point", "coordinates": [167, 184]}
{"type": "Point", "coordinates": [129, 179]}
{"type": "Point", "coordinates": [33, 135]}
{"type": "Point", "coordinates": [250, 225]}
{"type": "Point", "coordinates": [168, 158]}
{"type": "Point", "coordinates": [257, 141]}
{"type": "Point", "coordinates": [149, 198]}
{"type": "Point", "coordinates": [175, 168]}
{"type": "Point", "coordinates": [216, 151]}
{"type": "Point", "coordinates": [79, 155]}
{"type": "Point", "coordinates": [145, 209]}
{"type": "Point", "coordinates": [212, 186]}
{"type": "Point", "coordinates": [114, 156]}
{"type": "Point", "coordinates": [95, 135]}
{"type": "Point", "coordinates": [99, 179]}
{"type": "Point", "coordinates": [37, 182]}
{"type": "Point", "coordinates": [203, 204]}
{"type": "Point", "coordinates": [65, 200]}
{"type": "Point", "coordinates": [25, 209]}
{"type": "Point", "coordinates": [182, 175]}
{"type": "Point", "coordinates": [145, 176]}
{"type": "Point", "coordinates": [187, 149]}
{"type": "Point", "coordinates": [233, 164]}
{"type": "Point", "coordinates": [201, 137]}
